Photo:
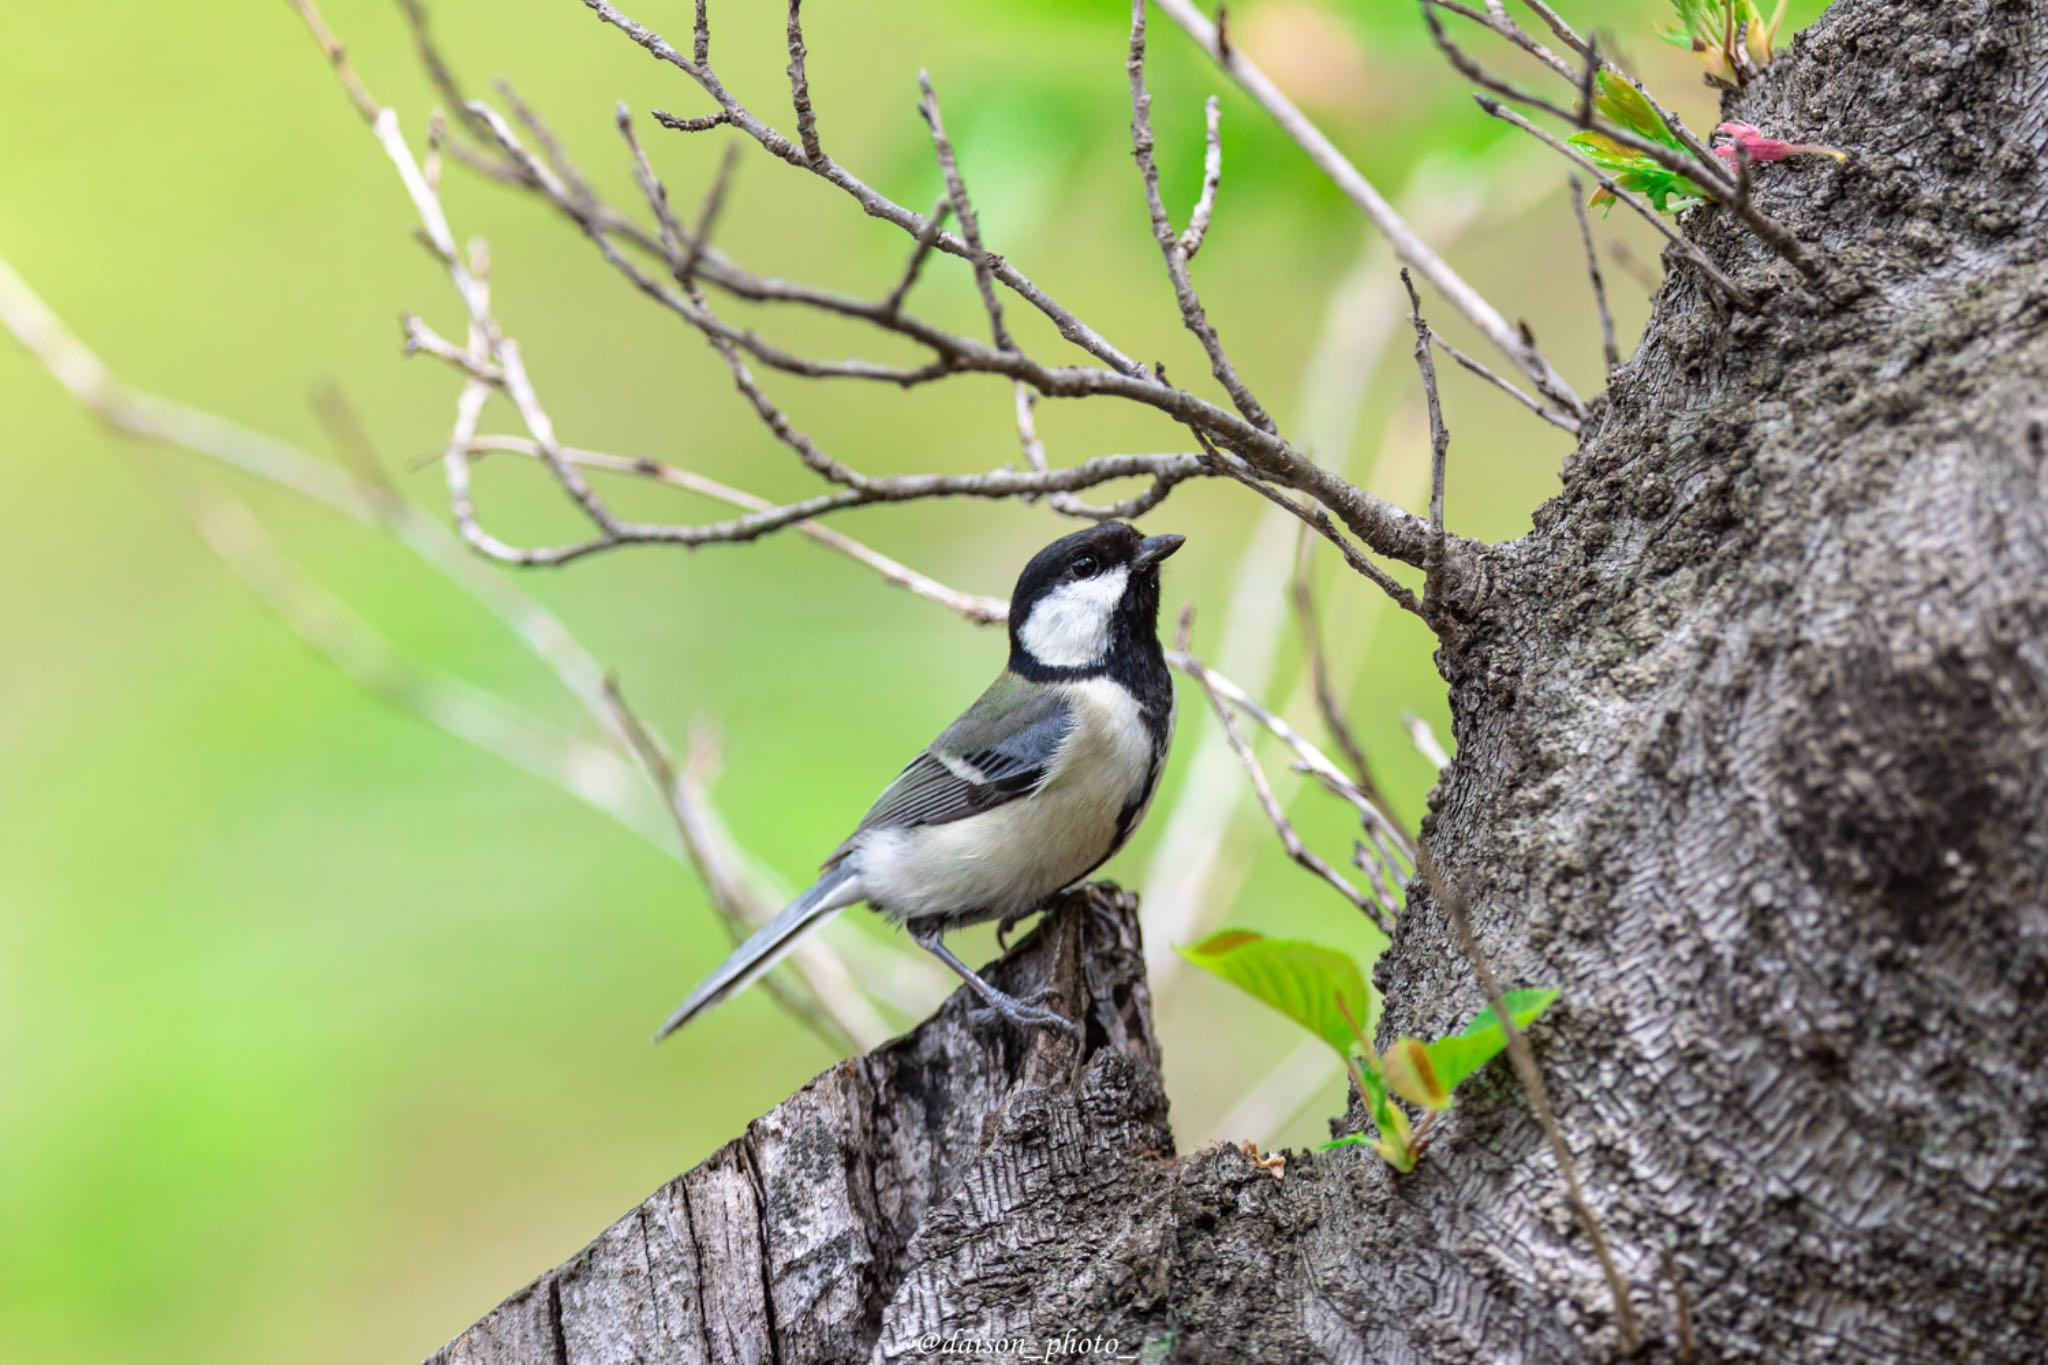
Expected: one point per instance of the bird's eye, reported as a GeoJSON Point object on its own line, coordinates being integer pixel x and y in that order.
{"type": "Point", "coordinates": [1084, 567]}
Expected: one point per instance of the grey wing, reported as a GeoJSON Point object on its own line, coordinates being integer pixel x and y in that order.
{"type": "Point", "coordinates": [998, 752]}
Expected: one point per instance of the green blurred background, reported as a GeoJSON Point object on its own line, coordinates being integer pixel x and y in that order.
{"type": "Point", "coordinates": [321, 1030]}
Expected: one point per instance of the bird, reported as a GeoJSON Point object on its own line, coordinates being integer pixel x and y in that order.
{"type": "Point", "coordinates": [1036, 785]}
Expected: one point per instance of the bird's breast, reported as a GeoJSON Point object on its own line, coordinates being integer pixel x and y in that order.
{"type": "Point", "coordinates": [1015, 855]}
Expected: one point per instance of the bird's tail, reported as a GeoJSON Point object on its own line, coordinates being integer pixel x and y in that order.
{"type": "Point", "coordinates": [833, 892]}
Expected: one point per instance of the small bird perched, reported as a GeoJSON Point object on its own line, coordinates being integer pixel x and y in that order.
{"type": "Point", "coordinates": [1033, 788]}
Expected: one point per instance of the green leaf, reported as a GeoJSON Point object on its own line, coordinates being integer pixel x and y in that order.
{"type": "Point", "coordinates": [1457, 1057]}
{"type": "Point", "coordinates": [1301, 980]}
{"type": "Point", "coordinates": [1627, 106]}
{"type": "Point", "coordinates": [1637, 172]}
{"type": "Point", "coordinates": [1411, 1073]}
{"type": "Point", "coordinates": [1700, 18]}
{"type": "Point", "coordinates": [1604, 152]}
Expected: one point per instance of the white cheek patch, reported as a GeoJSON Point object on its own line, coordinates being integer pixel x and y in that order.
{"type": "Point", "coordinates": [1069, 627]}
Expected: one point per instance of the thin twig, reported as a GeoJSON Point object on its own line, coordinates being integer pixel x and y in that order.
{"type": "Point", "coordinates": [1465, 300]}
{"type": "Point", "coordinates": [1469, 364]}
{"type": "Point", "coordinates": [1425, 740]}
{"type": "Point", "coordinates": [651, 188]}
{"type": "Point", "coordinates": [1709, 175]}
{"type": "Point", "coordinates": [1316, 520]}
{"type": "Point", "coordinates": [337, 56]}
{"type": "Point", "coordinates": [1439, 449]}
{"type": "Point", "coordinates": [1385, 529]}
{"type": "Point", "coordinates": [1531, 1076]}
{"type": "Point", "coordinates": [543, 136]}
{"type": "Point", "coordinates": [739, 908]}
{"type": "Point", "coordinates": [1212, 177]}
{"type": "Point", "coordinates": [1633, 266]}
{"type": "Point", "coordinates": [343, 424]}
{"type": "Point", "coordinates": [439, 73]}
{"type": "Point", "coordinates": [1681, 1302]}
{"type": "Point", "coordinates": [1189, 301]}
{"type": "Point", "coordinates": [920, 250]}
{"type": "Point", "coordinates": [697, 123]}
{"type": "Point", "coordinates": [1308, 760]}
{"type": "Point", "coordinates": [1290, 839]}
{"type": "Point", "coordinates": [971, 606]}
{"type": "Point", "coordinates": [707, 217]}
{"type": "Point", "coordinates": [1608, 350]}
{"type": "Point", "coordinates": [1695, 162]}
{"type": "Point", "coordinates": [963, 212]}
{"type": "Point", "coordinates": [1309, 624]}
{"type": "Point", "coordinates": [473, 716]}
{"type": "Point", "coordinates": [800, 88]}
{"type": "Point", "coordinates": [1737, 295]}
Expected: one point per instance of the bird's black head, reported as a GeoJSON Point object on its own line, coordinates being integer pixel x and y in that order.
{"type": "Point", "coordinates": [1087, 600]}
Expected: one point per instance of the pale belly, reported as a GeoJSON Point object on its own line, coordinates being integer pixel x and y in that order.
{"type": "Point", "coordinates": [1009, 859]}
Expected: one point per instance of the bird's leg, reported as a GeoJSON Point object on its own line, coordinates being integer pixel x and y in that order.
{"type": "Point", "coordinates": [930, 936]}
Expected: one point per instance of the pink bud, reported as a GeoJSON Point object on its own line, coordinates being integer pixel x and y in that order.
{"type": "Point", "coordinates": [1748, 137]}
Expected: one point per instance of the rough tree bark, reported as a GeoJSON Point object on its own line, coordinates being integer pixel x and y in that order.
{"type": "Point", "coordinates": [1752, 761]}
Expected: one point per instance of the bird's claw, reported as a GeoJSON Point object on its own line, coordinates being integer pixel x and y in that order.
{"type": "Point", "coordinates": [1028, 1013]}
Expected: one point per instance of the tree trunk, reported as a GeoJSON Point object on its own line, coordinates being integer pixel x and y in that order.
{"type": "Point", "coordinates": [1753, 763]}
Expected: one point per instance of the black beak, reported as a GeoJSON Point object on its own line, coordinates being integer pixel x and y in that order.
{"type": "Point", "coordinates": [1152, 549]}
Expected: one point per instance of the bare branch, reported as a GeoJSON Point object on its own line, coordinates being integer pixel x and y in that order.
{"type": "Point", "coordinates": [420, 339]}
{"type": "Point", "coordinates": [656, 193]}
{"type": "Point", "coordinates": [1425, 740]}
{"type": "Point", "coordinates": [963, 212]}
{"type": "Point", "coordinates": [1555, 418]}
{"type": "Point", "coordinates": [478, 717]}
{"type": "Point", "coordinates": [1609, 352]}
{"type": "Point", "coordinates": [343, 423]}
{"type": "Point", "coordinates": [836, 1013]}
{"type": "Point", "coordinates": [1385, 529]}
{"type": "Point", "coordinates": [1289, 838]}
{"type": "Point", "coordinates": [439, 73]}
{"type": "Point", "coordinates": [1452, 902]}
{"type": "Point", "coordinates": [1496, 19]}
{"type": "Point", "coordinates": [1168, 469]}
{"type": "Point", "coordinates": [1184, 294]}
{"type": "Point", "coordinates": [1309, 625]}
{"type": "Point", "coordinates": [1737, 295]}
{"type": "Point", "coordinates": [1688, 1344]}
{"type": "Point", "coordinates": [799, 87]}
{"type": "Point", "coordinates": [1439, 448]}
{"type": "Point", "coordinates": [1314, 763]}
{"type": "Point", "coordinates": [874, 203]}
{"type": "Point", "coordinates": [551, 148]}
{"type": "Point", "coordinates": [707, 218]}
{"type": "Point", "coordinates": [1407, 245]}
{"type": "Point", "coordinates": [1695, 162]}
{"type": "Point", "coordinates": [1318, 521]}
{"type": "Point", "coordinates": [699, 123]}
{"type": "Point", "coordinates": [337, 56]}
{"type": "Point", "coordinates": [1634, 266]}
{"type": "Point", "coordinates": [1212, 176]}
{"type": "Point", "coordinates": [920, 250]}
{"type": "Point", "coordinates": [321, 620]}
{"type": "Point", "coordinates": [980, 610]}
